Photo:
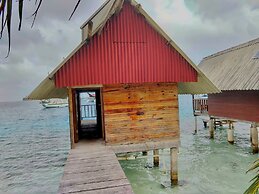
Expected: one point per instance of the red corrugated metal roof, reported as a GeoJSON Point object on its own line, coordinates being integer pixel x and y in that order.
{"type": "Point", "coordinates": [128, 50]}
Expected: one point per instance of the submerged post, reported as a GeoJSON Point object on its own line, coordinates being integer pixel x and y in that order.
{"type": "Point", "coordinates": [230, 132]}
{"type": "Point", "coordinates": [254, 138]}
{"type": "Point", "coordinates": [196, 127]}
{"type": "Point", "coordinates": [211, 128]}
{"type": "Point", "coordinates": [174, 167]}
{"type": "Point", "coordinates": [156, 158]}
{"type": "Point", "coordinates": [251, 129]}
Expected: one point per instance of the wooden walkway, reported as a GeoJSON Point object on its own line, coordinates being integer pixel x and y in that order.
{"type": "Point", "coordinates": [92, 168]}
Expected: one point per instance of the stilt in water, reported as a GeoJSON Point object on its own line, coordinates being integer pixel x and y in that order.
{"type": "Point", "coordinates": [196, 127]}
{"type": "Point", "coordinates": [144, 153]}
{"type": "Point", "coordinates": [254, 134]}
{"type": "Point", "coordinates": [211, 128]}
{"type": "Point", "coordinates": [174, 167]}
{"type": "Point", "coordinates": [205, 123]}
{"type": "Point", "coordinates": [251, 129]}
{"type": "Point", "coordinates": [230, 132]}
{"type": "Point", "coordinates": [156, 158]}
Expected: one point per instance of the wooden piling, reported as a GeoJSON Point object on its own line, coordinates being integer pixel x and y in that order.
{"type": "Point", "coordinates": [211, 128]}
{"type": "Point", "coordinates": [196, 127]}
{"type": "Point", "coordinates": [251, 129]}
{"type": "Point", "coordinates": [156, 158]}
{"type": "Point", "coordinates": [144, 153]}
{"type": "Point", "coordinates": [254, 138]}
{"type": "Point", "coordinates": [230, 132]}
{"type": "Point", "coordinates": [174, 167]}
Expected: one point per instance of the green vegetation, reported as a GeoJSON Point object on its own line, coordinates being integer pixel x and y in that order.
{"type": "Point", "coordinates": [254, 188]}
{"type": "Point", "coordinates": [6, 8]}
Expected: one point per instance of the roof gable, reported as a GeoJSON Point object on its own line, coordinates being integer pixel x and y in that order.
{"type": "Point", "coordinates": [128, 50]}
{"type": "Point", "coordinates": [99, 19]}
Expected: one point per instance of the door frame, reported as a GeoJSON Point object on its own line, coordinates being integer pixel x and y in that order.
{"type": "Point", "coordinates": [99, 110]}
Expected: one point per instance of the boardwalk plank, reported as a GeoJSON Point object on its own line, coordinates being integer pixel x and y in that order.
{"type": "Point", "coordinates": [92, 179]}
{"type": "Point", "coordinates": [94, 186]}
{"type": "Point", "coordinates": [92, 168]}
{"type": "Point", "coordinates": [115, 190]}
{"type": "Point", "coordinates": [87, 163]}
{"type": "Point", "coordinates": [79, 170]}
{"type": "Point", "coordinates": [90, 176]}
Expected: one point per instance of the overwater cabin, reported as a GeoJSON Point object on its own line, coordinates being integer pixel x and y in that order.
{"type": "Point", "coordinates": [235, 72]}
{"type": "Point", "coordinates": [136, 72]}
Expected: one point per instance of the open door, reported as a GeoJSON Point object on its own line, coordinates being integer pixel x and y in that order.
{"type": "Point", "coordinates": [89, 114]}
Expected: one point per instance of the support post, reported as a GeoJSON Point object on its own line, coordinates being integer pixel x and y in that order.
{"type": "Point", "coordinates": [230, 131]}
{"type": "Point", "coordinates": [71, 117]}
{"type": "Point", "coordinates": [196, 127]}
{"type": "Point", "coordinates": [254, 138]}
{"type": "Point", "coordinates": [251, 129]}
{"type": "Point", "coordinates": [211, 128]}
{"type": "Point", "coordinates": [156, 158]}
{"type": "Point", "coordinates": [144, 153]}
{"type": "Point", "coordinates": [174, 167]}
{"type": "Point", "coordinates": [205, 123]}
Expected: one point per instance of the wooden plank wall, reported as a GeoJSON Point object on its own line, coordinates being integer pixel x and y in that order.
{"type": "Point", "coordinates": [240, 105]}
{"type": "Point", "coordinates": [136, 113]}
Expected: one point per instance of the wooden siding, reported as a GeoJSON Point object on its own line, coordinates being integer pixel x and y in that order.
{"type": "Point", "coordinates": [240, 105]}
{"type": "Point", "coordinates": [137, 113]}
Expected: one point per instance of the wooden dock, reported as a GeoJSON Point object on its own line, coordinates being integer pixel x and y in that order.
{"type": "Point", "coordinates": [93, 168]}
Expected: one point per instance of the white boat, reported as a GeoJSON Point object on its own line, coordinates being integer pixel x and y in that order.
{"type": "Point", "coordinates": [54, 103]}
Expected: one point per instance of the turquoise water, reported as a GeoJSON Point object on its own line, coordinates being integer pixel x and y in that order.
{"type": "Point", "coordinates": [34, 143]}
{"type": "Point", "coordinates": [205, 166]}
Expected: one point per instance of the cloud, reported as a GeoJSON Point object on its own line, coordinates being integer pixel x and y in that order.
{"type": "Point", "coordinates": [199, 27]}
{"type": "Point", "coordinates": [38, 50]}
{"type": "Point", "coordinates": [202, 27]}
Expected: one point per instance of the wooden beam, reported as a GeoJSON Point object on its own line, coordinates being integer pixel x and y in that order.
{"type": "Point", "coordinates": [156, 158]}
{"type": "Point", "coordinates": [211, 128]}
{"type": "Point", "coordinates": [90, 30]}
{"type": "Point", "coordinates": [196, 127]}
{"type": "Point", "coordinates": [76, 114]}
{"type": "Point", "coordinates": [193, 108]}
{"type": "Point", "coordinates": [254, 138]}
{"type": "Point", "coordinates": [174, 165]}
{"type": "Point", "coordinates": [102, 113]}
{"type": "Point", "coordinates": [230, 131]}
{"type": "Point", "coordinates": [71, 118]}
{"type": "Point", "coordinates": [147, 146]}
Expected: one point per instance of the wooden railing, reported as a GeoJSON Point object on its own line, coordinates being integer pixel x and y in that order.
{"type": "Point", "coordinates": [88, 111]}
{"type": "Point", "coordinates": [200, 106]}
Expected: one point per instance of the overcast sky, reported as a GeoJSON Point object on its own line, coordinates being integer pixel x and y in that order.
{"type": "Point", "coordinates": [199, 27]}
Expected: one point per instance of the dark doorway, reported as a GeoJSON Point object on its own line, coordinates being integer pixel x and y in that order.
{"type": "Point", "coordinates": [89, 115]}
